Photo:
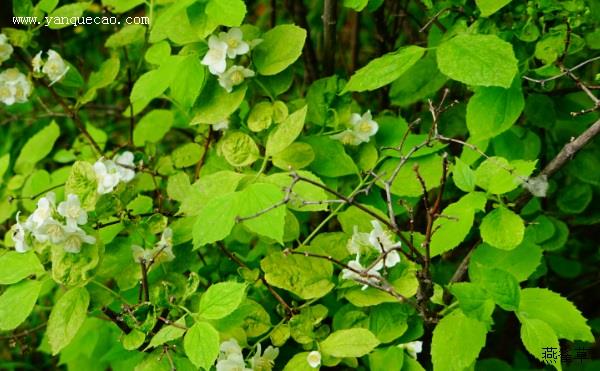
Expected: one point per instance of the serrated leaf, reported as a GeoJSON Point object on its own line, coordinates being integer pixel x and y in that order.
{"type": "Point", "coordinates": [559, 313]}
{"type": "Point", "coordinates": [66, 317]}
{"type": "Point", "coordinates": [257, 198]}
{"type": "Point", "coordinates": [16, 303]}
{"type": "Point", "coordinates": [502, 228]}
{"type": "Point", "coordinates": [221, 299]}
{"type": "Point", "coordinates": [484, 60]}
{"type": "Point", "coordinates": [457, 341]}
{"type": "Point", "coordinates": [537, 335]}
{"type": "Point", "coordinates": [201, 344]}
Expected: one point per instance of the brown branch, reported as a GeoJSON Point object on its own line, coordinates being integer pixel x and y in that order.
{"type": "Point", "coordinates": [204, 154]}
{"type": "Point", "coordinates": [116, 319]}
{"type": "Point", "coordinates": [24, 332]}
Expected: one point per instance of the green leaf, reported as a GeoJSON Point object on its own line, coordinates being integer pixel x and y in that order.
{"type": "Point", "coordinates": [188, 81]}
{"type": "Point", "coordinates": [168, 333]}
{"type": "Point", "coordinates": [83, 183]}
{"type": "Point", "coordinates": [493, 110]}
{"type": "Point", "coordinates": [152, 127]}
{"type": "Point", "coordinates": [387, 359]}
{"type": "Point", "coordinates": [483, 60]}
{"type": "Point", "coordinates": [178, 186]}
{"type": "Point", "coordinates": [261, 116]}
{"type": "Point", "coordinates": [134, 339]}
{"type": "Point", "coordinates": [257, 198]}
{"type": "Point", "coordinates": [537, 335]}
{"type": "Point", "coordinates": [562, 316]}
{"type": "Point", "coordinates": [298, 362]}
{"type": "Point", "coordinates": [388, 322]}
{"type": "Point", "coordinates": [302, 191]}
{"type": "Point", "coordinates": [454, 227]}
{"type": "Point", "coordinates": [208, 187]}
{"type": "Point", "coordinates": [331, 159]}
{"type": "Point", "coordinates": [4, 163]}
{"type": "Point", "coordinates": [457, 341]}
{"type": "Point", "coordinates": [216, 219]}
{"type": "Point", "coordinates": [489, 7]}
{"type": "Point", "coordinates": [201, 344]}
{"type": "Point", "coordinates": [151, 85]}
{"type": "Point", "coordinates": [239, 149]}
{"type": "Point", "coordinates": [521, 261]}
{"type": "Point", "coordinates": [66, 317]}
{"type": "Point", "coordinates": [501, 286]}
{"type": "Point", "coordinates": [216, 104]}
{"type": "Point", "coordinates": [497, 176]}
{"type": "Point", "coordinates": [281, 46]}
{"type": "Point", "coordinates": [65, 12]}
{"type": "Point", "coordinates": [187, 155]}
{"type": "Point", "coordinates": [227, 13]}
{"type": "Point", "coordinates": [406, 182]}
{"type": "Point", "coordinates": [16, 303]}
{"type": "Point", "coordinates": [383, 70]}
{"type": "Point", "coordinates": [574, 198]}
{"type": "Point", "coordinates": [37, 148]}
{"type": "Point", "coordinates": [286, 132]}
{"type": "Point", "coordinates": [474, 301]}
{"type": "Point", "coordinates": [105, 75]}
{"type": "Point", "coordinates": [306, 277]}
{"type": "Point", "coordinates": [420, 81]}
{"type": "Point", "coordinates": [502, 228]}
{"type": "Point", "coordinates": [296, 156]}
{"type": "Point", "coordinates": [355, 342]}
{"type": "Point", "coordinates": [130, 34]}
{"type": "Point", "coordinates": [15, 266]}
{"type": "Point", "coordinates": [463, 176]}
{"type": "Point", "coordinates": [221, 299]}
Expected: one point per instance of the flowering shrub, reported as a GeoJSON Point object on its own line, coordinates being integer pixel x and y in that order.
{"type": "Point", "coordinates": [297, 185]}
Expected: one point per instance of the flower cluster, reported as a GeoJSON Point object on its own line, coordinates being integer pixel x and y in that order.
{"type": "Point", "coordinates": [54, 67]}
{"type": "Point", "coordinates": [362, 129]}
{"type": "Point", "coordinates": [161, 252]}
{"type": "Point", "coordinates": [231, 358]}
{"type": "Point", "coordinates": [6, 49]}
{"type": "Point", "coordinates": [382, 243]}
{"type": "Point", "coordinates": [228, 44]}
{"type": "Point", "coordinates": [56, 225]}
{"type": "Point", "coordinates": [15, 87]}
{"type": "Point", "coordinates": [110, 172]}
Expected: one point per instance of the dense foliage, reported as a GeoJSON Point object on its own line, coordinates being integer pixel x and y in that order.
{"type": "Point", "coordinates": [257, 185]}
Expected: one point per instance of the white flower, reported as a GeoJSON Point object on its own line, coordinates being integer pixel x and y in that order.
{"type": "Point", "coordinates": [412, 348]}
{"type": "Point", "coordinates": [107, 175]}
{"type": "Point", "coordinates": [382, 242]}
{"type": "Point", "coordinates": [55, 67]}
{"type": "Point", "coordinates": [215, 58]}
{"type": "Point", "coordinates": [314, 359]}
{"type": "Point", "coordinates": [359, 273]}
{"type": "Point", "coordinates": [264, 361]}
{"type": "Point", "coordinates": [234, 76]}
{"type": "Point", "coordinates": [51, 231]}
{"type": "Point", "coordinates": [72, 211]}
{"type": "Point", "coordinates": [234, 41]}
{"type": "Point", "coordinates": [37, 62]}
{"type": "Point", "coordinates": [125, 166]}
{"type": "Point", "coordinates": [14, 87]}
{"type": "Point", "coordinates": [6, 49]}
{"type": "Point", "coordinates": [363, 128]}
{"type": "Point", "coordinates": [358, 241]}
{"type": "Point", "coordinates": [221, 125]}
{"type": "Point", "coordinates": [141, 255]}
{"type": "Point", "coordinates": [230, 357]}
{"type": "Point", "coordinates": [349, 137]}
{"type": "Point", "coordinates": [43, 212]}
{"type": "Point", "coordinates": [19, 237]}
{"type": "Point", "coordinates": [74, 238]}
